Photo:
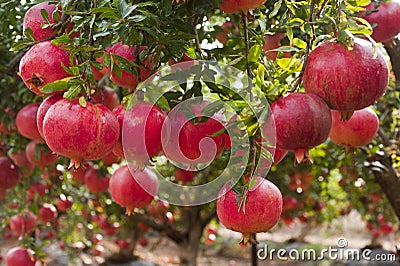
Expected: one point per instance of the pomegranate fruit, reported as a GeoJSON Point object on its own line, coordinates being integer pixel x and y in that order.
{"type": "Point", "coordinates": [9, 174]}
{"type": "Point", "coordinates": [133, 191]}
{"type": "Point", "coordinates": [79, 132]}
{"type": "Point", "coordinates": [42, 65]}
{"type": "Point", "coordinates": [110, 159]}
{"type": "Point", "coordinates": [358, 131]}
{"type": "Point", "coordinates": [184, 176]}
{"type": "Point", "coordinates": [107, 97]}
{"type": "Point", "coordinates": [192, 143]}
{"type": "Point", "coordinates": [21, 160]}
{"type": "Point", "coordinates": [42, 110]}
{"type": "Point", "coordinates": [34, 20]}
{"type": "Point", "coordinates": [261, 211]}
{"type": "Point", "coordinates": [64, 202]}
{"type": "Point", "coordinates": [347, 79]}
{"type": "Point", "coordinates": [141, 132]}
{"type": "Point", "coordinates": [237, 6]}
{"type": "Point", "coordinates": [95, 181]}
{"type": "Point", "coordinates": [36, 189]}
{"type": "Point", "coordinates": [26, 121]}
{"type": "Point", "coordinates": [387, 20]}
{"type": "Point", "coordinates": [19, 256]}
{"type": "Point", "coordinates": [302, 121]}
{"type": "Point", "coordinates": [273, 42]}
{"type": "Point", "coordinates": [289, 203]}
{"type": "Point", "coordinates": [78, 174]}
{"type": "Point", "coordinates": [129, 80]}
{"type": "Point", "coordinates": [48, 213]}
{"type": "Point", "coordinates": [23, 223]}
{"type": "Point", "coordinates": [98, 74]}
{"type": "Point", "coordinates": [39, 154]}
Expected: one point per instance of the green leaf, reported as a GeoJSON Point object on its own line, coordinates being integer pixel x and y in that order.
{"type": "Point", "coordinates": [290, 64]}
{"type": "Point", "coordinates": [60, 85]}
{"type": "Point", "coordinates": [255, 53]}
{"type": "Point", "coordinates": [123, 8]}
{"type": "Point", "coordinates": [82, 101]}
{"type": "Point", "coordinates": [299, 43]}
{"type": "Point", "coordinates": [277, 6]}
{"type": "Point", "coordinates": [252, 183]}
{"type": "Point", "coordinates": [29, 33]}
{"type": "Point", "coordinates": [73, 92]}
{"type": "Point", "coordinates": [45, 15]}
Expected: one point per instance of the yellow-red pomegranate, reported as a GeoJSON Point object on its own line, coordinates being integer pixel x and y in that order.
{"type": "Point", "coordinates": [260, 213]}
{"type": "Point", "coordinates": [80, 133]}
{"type": "Point", "coordinates": [302, 121]}
{"type": "Point", "coordinates": [133, 191]}
{"type": "Point", "coordinates": [43, 107]}
{"type": "Point", "coordinates": [386, 20]}
{"type": "Point", "coordinates": [42, 65]}
{"type": "Point", "coordinates": [358, 131]}
{"type": "Point", "coordinates": [347, 79]}
{"type": "Point", "coordinates": [19, 256]}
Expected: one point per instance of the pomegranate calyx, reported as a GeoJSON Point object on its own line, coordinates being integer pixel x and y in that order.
{"type": "Point", "coordinates": [35, 81]}
{"type": "Point", "coordinates": [346, 115]}
{"type": "Point", "coordinates": [302, 156]}
{"type": "Point", "coordinates": [75, 164]}
{"type": "Point", "coordinates": [248, 238]}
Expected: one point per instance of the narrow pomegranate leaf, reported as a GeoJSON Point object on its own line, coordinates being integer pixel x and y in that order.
{"type": "Point", "coordinates": [45, 16]}
{"type": "Point", "coordinates": [59, 85]}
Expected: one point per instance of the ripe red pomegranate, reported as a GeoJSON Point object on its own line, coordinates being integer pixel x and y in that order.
{"type": "Point", "coordinates": [64, 202]}
{"type": "Point", "coordinates": [48, 213]}
{"type": "Point", "coordinates": [273, 42]}
{"type": "Point", "coordinates": [347, 79]}
{"type": "Point", "coordinates": [302, 121]}
{"type": "Point", "coordinates": [39, 154]}
{"type": "Point", "coordinates": [110, 159]}
{"type": "Point", "coordinates": [129, 80]}
{"type": "Point", "coordinates": [237, 6]}
{"type": "Point", "coordinates": [387, 19]}
{"type": "Point", "coordinates": [33, 19]}
{"type": "Point", "coordinates": [133, 191]}
{"type": "Point", "coordinates": [23, 223]}
{"type": "Point", "coordinates": [19, 256]}
{"type": "Point", "coordinates": [141, 132]}
{"type": "Point", "coordinates": [386, 228]}
{"type": "Point", "coordinates": [42, 65]}
{"type": "Point", "coordinates": [107, 97]}
{"type": "Point", "coordinates": [358, 131]}
{"type": "Point", "coordinates": [26, 121]}
{"type": "Point", "coordinates": [79, 132]}
{"type": "Point", "coordinates": [42, 110]}
{"type": "Point", "coordinates": [36, 189]}
{"type": "Point", "coordinates": [119, 113]}
{"type": "Point", "coordinates": [95, 181]}
{"type": "Point", "coordinates": [184, 176]}
{"type": "Point", "coordinates": [9, 174]}
{"type": "Point", "coordinates": [289, 203]}
{"type": "Point", "coordinates": [227, 27]}
{"type": "Point", "coordinates": [21, 160]}
{"type": "Point", "coordinates": [192, 143]}
{"type": "Point", "coordinates": [98, 74]}
{"type": "Point", "coordinates": [261, 212]}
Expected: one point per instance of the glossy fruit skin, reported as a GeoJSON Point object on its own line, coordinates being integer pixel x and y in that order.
{"type": "Point", "coordinates": [26, 121]}
{"type": "Point", "coordinates": [302, 121]}
{"type": "Point", "coordinates": [189, 143]}
{"type": "Point", "coordinates": [9, 174]}
{"type": "Point", "coordinates": [20, 159]}
{"type": "Point", "coordinates": [237, 6]}
{"type": "Point", "coordinates": [19, 256]}
{"type": "Point", "coordinates": [346, 79]}
{"type": "Point", "coordinates": [119, 113]}
{"type": "Point", "coordinates": [184, 176]}
{"type": "Point", "coordinates": [133, 191]}
{"type": "Point", "coordinates": [128, 80]}
{"type": "Point", "coordinates": [263, 209]}
{"type": "Point", "coordinates": [23, 223]}
{"type": "Point", "coordinates": [33, 19]}
{"type": "Point", "coordinates": [387, 19]}
{"type": "Point", "coordinates": [141, 132]}
{"type": "Point", "coordinates": [358, 131]}
{"type": "Point", "coordinates": [48, 213]}
{"type": "Point", "coordinates": [42, 65]}
{"type": "Point", "coordinates": [42, 110]}
{"type": "Point", "coordinates": [80, 133]}
{"type": "Point", "coordinates": [46, 156]}
{"type": "Point", "coordinates": [107, 97]}
{"type": "Point", "coordinates": [95, 182]}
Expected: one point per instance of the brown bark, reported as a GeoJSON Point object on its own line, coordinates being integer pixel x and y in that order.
{"type": "Point", "coordinates": [393, 49]}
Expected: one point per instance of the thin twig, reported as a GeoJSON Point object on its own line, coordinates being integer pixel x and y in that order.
{"type": "Point", "coordinates": [247, 43]}
{"type": "Point", "coordinates": [196, 36]}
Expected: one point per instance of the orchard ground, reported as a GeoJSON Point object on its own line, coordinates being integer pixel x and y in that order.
{"type": "Point", "coordinates": [225, 251]}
